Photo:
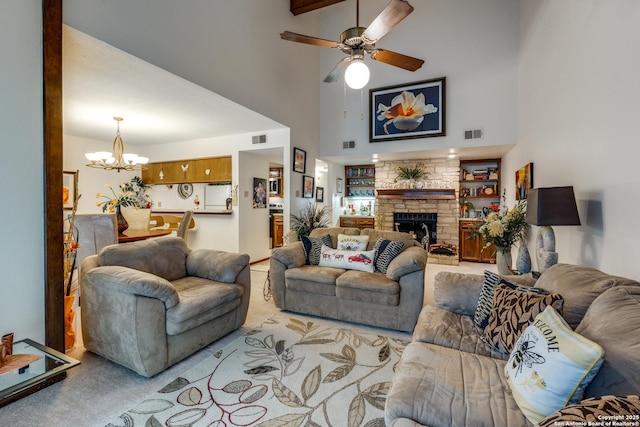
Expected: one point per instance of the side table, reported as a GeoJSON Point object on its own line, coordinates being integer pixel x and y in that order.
{"type": "Point", "coordinates": [50, 368]}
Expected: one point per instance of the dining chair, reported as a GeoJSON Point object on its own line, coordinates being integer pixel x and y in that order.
{"type": "Point", "coordinates": [94, 232]}
{"type": "Point", "coordinates": [156, 221]}
{"type": "Point", "coordinates": [186, 223]}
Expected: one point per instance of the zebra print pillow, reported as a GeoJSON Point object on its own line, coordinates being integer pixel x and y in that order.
{"type": "Point", "coordinates": [384, 252]}
{"type": "Point", "coordinates": [594, 409]}
{"type": "Point", "coordinates": [485, 302]}
{"type": "Point", "coordinates": [313, 247]}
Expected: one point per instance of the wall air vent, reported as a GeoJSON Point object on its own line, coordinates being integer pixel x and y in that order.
{"type": "Point", "coordinates": [348, 145]}
{"type": "Point", "coordinates": [259, 139]}
{"type": "Point", "coordinates": [474, 134]}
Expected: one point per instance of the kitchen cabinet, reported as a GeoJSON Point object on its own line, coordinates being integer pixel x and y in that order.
{"type": "Point", "coordinates": [473, 249]}
{"type": "Point", "coordinates": [357, 221]}
{"type": "Point", "coordinates": [212, 169]}
{"type": "Point", "coordinates": [278, 230]}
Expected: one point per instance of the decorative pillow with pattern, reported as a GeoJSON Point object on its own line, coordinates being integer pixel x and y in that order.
{"type": "Point", "coordinates": [352, 243]}
{"type": "Point", "coordinates": [385, 251]}
{"type": "Point", "coordinates": [593, 411]}
{"type": "Point", "coordinates": [348, 260]}
{"type": "Point", "coordinates": [550, 366]}
{"type": "Point", "coordinates": [485, 302]}
{"type": "Point", "coordinates": [313, 246]}
{"type": "Point", "coordinates": [513, 310]}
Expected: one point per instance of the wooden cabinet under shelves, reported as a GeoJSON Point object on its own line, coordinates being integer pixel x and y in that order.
{"type": "Point", "coordinates": [473, 248]}
{"type": "Point", "coordinates": [360, 180]}
{"type": "Point", "coordinates": [357, 222]}
{"type": "Point", "coordinates": [212, 169]}
{"type": "Point", "coordinates": [278, 231]}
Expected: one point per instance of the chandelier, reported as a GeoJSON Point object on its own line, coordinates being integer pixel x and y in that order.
{"type": "Point", "coordinates": [117, 159]}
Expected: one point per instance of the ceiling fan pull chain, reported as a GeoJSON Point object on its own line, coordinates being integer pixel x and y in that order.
{"type": "Point", "coordinates": [361, 104]}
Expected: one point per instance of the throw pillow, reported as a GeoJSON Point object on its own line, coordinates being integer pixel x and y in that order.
{"type": "Point", "coordinates": [513, 310]}
{"type": "Point", "coordinates": [550, 366]}
{"type": "Point", "coordinates": [352, 243]}
{"type": "Point", "coordinates": [348, 260]}
{"type": "Point", "coordinates": [312, 247]}
{"type": "Point", "coordinates": [485, 302]}
{"type": "Point", "coordinates": [385, 251]}
{"type": "Point", "coordinates": [593, 411]}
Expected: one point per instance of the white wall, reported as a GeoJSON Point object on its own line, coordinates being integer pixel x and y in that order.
{"type": "Point", "coordinates": [578, 110]}
{"type": "Point", "coordinates": [471, 43]}
{"type": "Point", "coordinates": [232, 48]}
{"type": "Point", "coordinates": [22, 252]}
{"type": "Point", "coordinates": [253, 228]}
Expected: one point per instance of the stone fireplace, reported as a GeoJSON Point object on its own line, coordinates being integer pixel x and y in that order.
{"type": "Point", "coordinates": [443, 212]}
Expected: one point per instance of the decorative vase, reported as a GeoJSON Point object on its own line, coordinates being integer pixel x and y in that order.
{"type": "Point", "coordinates": [122, 222]}
{"type": "Point", "coordinates": [137, 218]}
{"type": "Point", "coordinates": [523, 263]}
{"type": "Point", "coordinates": [504, 261]}
{"type": "Point", "coordinates": [69, 316]}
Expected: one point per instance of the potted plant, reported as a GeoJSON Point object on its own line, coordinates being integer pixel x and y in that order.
{"type": "Point", "coordinates": [139, 216]}
{"type": "Point", "coordinates": [411, 174]}
{"type": "Point", "coordinates": [309, 218]}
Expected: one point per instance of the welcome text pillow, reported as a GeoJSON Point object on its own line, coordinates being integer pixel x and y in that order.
{"type": "Point", "coordinates": [352, 243]}
{"type": "Point", "coordinates": [348, 260]}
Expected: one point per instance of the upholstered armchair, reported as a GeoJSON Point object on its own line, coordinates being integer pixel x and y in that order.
{"type": "Point", "coordinates": [147, 305]}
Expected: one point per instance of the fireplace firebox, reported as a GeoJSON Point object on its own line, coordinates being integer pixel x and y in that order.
{"type": "Point", "coordinates": [417, 223]}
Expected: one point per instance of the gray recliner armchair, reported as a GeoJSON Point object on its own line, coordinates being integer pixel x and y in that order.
{"type": "Point", "coordinates": [147, 305]}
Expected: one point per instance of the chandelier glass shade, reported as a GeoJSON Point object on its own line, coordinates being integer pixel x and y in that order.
{"type": "Point", "coordinates": [357, 73]}
{"type": "Point", "coordinates": [117, 159]}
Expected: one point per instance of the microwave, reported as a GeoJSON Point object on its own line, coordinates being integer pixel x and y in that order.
{"type": "Point", "coordinates": [274, 186]}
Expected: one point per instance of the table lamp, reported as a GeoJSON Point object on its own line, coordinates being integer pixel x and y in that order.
{"type": "Point", "coordinates": [546, 207]}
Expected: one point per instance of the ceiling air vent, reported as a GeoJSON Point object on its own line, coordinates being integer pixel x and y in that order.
{"type": "Point", "coordinates": [348, 145]}
{"type": "Point", "coordinates": [259, 139]}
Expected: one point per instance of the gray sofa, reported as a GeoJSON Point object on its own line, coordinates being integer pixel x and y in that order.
{"type": "Point", "coordinates": [448, 376]}
{"type": "Point", "coordinates": [147, 305]}
{"type": "Point", "coordinates": [392, 300]}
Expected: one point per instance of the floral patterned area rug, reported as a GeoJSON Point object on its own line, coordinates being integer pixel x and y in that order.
{"type": "Point", "coordinates": [287, 372]}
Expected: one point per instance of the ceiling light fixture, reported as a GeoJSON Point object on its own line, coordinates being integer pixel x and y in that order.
{"type": "Point", "coordinates": [117, 159]}
{"type": "Point", "coordinates": [357, 73]}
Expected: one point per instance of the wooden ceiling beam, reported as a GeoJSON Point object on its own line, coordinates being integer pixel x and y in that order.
{"type": "Point", "coordinates": [302, 6]}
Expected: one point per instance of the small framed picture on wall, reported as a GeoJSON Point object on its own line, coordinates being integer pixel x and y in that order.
{"type": "Point", "coordinates": [299, 160]}
{"type": "Point", "coordinates": [320, 194]}
{"type": "Point", "coordinates": [524, 181]}
{"type": "Point", "coordinates": [307, 186]}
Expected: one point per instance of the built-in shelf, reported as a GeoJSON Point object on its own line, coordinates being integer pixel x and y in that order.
{"type": "Point", "coordinates": [414, 193]}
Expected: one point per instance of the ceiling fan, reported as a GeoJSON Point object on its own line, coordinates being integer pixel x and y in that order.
{"type": "Point", "coordinates": [358, 40]}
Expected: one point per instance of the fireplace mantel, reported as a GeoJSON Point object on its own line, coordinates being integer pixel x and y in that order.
{"type": "Point", "coordinates": [417, 194]}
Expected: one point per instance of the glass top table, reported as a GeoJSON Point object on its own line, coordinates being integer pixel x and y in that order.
{"type": "Point", "coordinates": [50, 368]}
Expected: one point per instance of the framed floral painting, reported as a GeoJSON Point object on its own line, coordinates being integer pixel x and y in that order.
{"type": "Point", "coordinates": [413, 110]}
{"type": "Point", "coordinates": [299, 160]}
{"type": "Point", "coordinates": [307, 186]}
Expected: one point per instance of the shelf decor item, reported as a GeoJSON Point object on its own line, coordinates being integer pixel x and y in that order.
{"type": "Point", "coordinates": [413, 110]}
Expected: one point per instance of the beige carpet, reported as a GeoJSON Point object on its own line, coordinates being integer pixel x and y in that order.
{"type": "Point", "coordinates": [289, 371]}
{"type": "Point", "coordinates": [97, 391]}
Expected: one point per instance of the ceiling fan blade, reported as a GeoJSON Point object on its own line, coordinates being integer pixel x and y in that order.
{"type": "Point", "coordinates": [300, 38]}
{"type": "Point", "coordinates": [397, 59]}
{"type": "Point", "coordinates": [395, 12]}
{"type": "Point", "coordinates": [338, 71]}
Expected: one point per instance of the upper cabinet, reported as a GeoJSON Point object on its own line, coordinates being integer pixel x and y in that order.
{"type": "Point", "coordinates": [212, 169]}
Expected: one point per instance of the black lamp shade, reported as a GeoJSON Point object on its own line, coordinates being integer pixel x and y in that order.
{"type": "Point", "coordinates": [552, 206]}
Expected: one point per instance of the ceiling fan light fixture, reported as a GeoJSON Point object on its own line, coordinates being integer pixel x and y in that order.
{"type": "Point", "coordinates": [357, 74]}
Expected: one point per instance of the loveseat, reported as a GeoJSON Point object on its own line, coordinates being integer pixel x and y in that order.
{"type": "Point", "coordinates": [147, 305]}
{"type": "Point", "coordinates": [450, 376]}
{"type": "Point", "coordinates": [388, 296]}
